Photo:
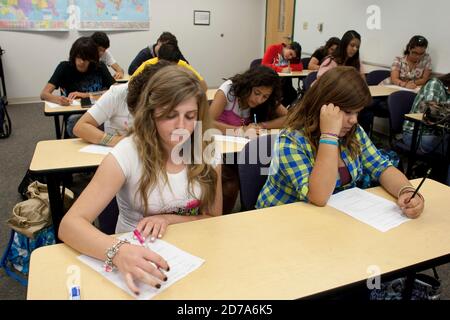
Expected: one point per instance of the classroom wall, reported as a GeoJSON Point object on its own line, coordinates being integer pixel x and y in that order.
{"type": "Point", "coordinates": [400, 20]}
{"type": "Point", "coordinates": [31, 57]}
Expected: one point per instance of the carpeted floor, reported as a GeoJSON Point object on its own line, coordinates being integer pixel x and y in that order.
{"type": "Point", "coordinates": [29, 127]}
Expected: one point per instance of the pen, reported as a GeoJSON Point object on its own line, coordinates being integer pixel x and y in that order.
{"type": "Point", "coordinates": [75, 293]}
{"type": "Point", "coordinates": [254, 118]}
{"type": "Point", "coordinates": [139, 237]}
{"type": "Point", "coordinates": [420, 184]}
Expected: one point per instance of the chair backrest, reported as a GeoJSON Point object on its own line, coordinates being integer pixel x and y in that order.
{"type": "Point", "coordinates": [374, 77]}
{"type": "Point", "coordinates": [310, 78]}
{"type": "Point", "coordinates": [305, 62]}
{"type": "Point", "coordinates": [399, 104]}
{"type": "Point", "coordinates": [255, 63]}
{"type": "Point", "coordinates": [253, 167]}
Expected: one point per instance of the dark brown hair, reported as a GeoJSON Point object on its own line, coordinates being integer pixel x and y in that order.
{"type": "Point", "coordinates": [341, 86]}
{"type": "Point", "coordinates": [138, 82]}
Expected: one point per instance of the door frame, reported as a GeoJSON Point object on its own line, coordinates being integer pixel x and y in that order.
{"type": "Point", "coordinates": [293, 23]}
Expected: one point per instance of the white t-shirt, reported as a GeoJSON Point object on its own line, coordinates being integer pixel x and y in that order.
{"type": "Point", "coordinates": [107, 58]}
{"type": "Point", "coordinates": [232, 104]}
{"type": "Point", "coordinates": [112, 110]}
{"type": "Point", "coordinates": [161, 199]}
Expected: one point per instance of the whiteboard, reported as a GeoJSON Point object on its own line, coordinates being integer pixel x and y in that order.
{"type": "Point", "coordinates": [399, 21]}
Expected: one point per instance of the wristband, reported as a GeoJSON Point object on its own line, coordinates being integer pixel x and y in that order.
{"type": "Point", "coordinates": [326, 141]}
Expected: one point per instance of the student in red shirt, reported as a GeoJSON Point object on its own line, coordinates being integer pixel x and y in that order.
{"type": "Point", "coordinates": [284, 58]}
{"type": "Point", "coordinates": [278, 57]}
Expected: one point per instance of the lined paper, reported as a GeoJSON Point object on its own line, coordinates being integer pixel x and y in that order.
{"type": "Point", "coordinates": [366, 207]}
{"type": "Point", "coordinates": [181, 263]}
{"type": "Point", "coordinates": [95, 148]}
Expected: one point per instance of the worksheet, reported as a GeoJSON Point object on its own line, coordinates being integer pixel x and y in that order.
{"type": "Point", "coordinates": [366, 207]}
{"type": "Point", "coordinates": [181, 263]}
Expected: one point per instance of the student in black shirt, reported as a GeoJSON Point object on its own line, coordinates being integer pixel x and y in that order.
{"type": "Point", "coordinates": [324, 51]}
{"type": "Point", "coordinates": [78, 77]}
{"type": "Point", "coordinates": [152, 51]}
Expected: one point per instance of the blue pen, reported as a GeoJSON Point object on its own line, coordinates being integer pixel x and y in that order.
{"type": "Point", "coordinates": [75, 293]}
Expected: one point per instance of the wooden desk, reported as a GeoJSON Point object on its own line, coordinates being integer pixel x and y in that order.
{"type": "Point", "coordinates": [285, 252]}
{"type": "Point", "coordinates": [381, 91]}
{"type": "Point", "coordinates": [236, 146]}
{"type": "Point", "coordinates": [54, 158]}
{"type": "Point", "coordinates": [64, 111]}
{"type": "Point", "coordinates": [416, 118]}
{"type": "Point", "coordinates": [296, 74]}
{"type": "Point", "coordinates": [210, 93]}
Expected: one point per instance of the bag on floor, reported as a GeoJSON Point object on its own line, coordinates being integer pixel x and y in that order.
{"type": "Point", "coordinates": [32, 228]}
{"type": "Point", "coordinates": [425, 287]}
{"type": "Point", "coordinates": [435, 113]}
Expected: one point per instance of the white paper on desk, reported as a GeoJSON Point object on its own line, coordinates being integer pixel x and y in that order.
{"type": "Point", "coordinates": [401, 88]}
{"type": "Point", "coordinates": [52, 105]}
{"type": "Point", "coordinates": [219, 137]}
{"type": "Point", "coordinates": [366, 207]}
{"type": "Point", "coordinates": [181, 263]}
{"type": "Point", "coordinates": [95, 148]}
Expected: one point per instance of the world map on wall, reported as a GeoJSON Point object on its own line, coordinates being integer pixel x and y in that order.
{"type": "Point", "coordinates": [114, 14]}
{"type": "Point", "coordinates": [74, 14]}
{"type": "Point", "coordinates": [33, 14]}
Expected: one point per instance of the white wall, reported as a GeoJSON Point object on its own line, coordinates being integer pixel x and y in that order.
{"type": "Point", "coordinates": [31, 57]}
{"type": "Point", "coordinates": [400, 20]}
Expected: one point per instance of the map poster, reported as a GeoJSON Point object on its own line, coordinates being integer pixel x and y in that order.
{"type": "Point", "coordinates": [114, 14]}
{"type": "Point", "coordinates": [35, 15]}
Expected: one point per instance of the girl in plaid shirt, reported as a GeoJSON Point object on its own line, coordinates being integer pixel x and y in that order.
{"type": "Point", "coordinates": [323, 149]}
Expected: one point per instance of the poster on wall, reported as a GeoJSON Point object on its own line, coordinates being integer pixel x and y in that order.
{"type": "Point", "coordinates": [113, 14]}
{"type": "Point", "coordinates": [42, 15]}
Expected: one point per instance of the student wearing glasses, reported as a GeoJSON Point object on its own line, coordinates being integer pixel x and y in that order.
{"type": "Point", "coordinates": [414, 68]}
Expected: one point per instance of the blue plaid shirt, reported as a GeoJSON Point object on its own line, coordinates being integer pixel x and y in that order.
{"type": "Point", "coordinates": [293, 161]}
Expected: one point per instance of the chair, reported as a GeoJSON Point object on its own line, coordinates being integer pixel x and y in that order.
{"type": "Point", "coordinates": [374, 77]}
{"type": "Point", "coordinates": [310, 78]}
{"type": "Point", "coordinates": [253, 166]}
{"type": "Point", "coordinates": [255, 63]}
{"type": "Point", "coordinates": [399, 104]}
{"type": "Point", "coordinates": [305, 62]}
{"type": "Point", "coordinates": [378, 107]}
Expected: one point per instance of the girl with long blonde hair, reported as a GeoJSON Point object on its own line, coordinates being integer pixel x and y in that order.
{"type": "Point", "coordinates": [154, 187]}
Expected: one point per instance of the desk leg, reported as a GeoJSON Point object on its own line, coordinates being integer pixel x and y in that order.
{"type": "Point", "coordinates": [57, 127]}
{"type": "Point", "coordinates": [55, 201]}
{"type": "Point", "coordinates": [412, 149]}
{"type": "Point", "coordinates": [409, 284]}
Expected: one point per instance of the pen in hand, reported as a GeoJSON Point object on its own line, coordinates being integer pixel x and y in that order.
{"type": "Point", "coordinates": [420, 184]}
{"type": "Point", "coordinates": [139, 237]}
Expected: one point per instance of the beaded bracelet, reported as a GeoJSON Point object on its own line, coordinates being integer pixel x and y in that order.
{"type": "Point", "coordinates": [326, 141]}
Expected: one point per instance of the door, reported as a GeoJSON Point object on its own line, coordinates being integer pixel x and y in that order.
{"type": "Point", "coordinates": [279, 21]}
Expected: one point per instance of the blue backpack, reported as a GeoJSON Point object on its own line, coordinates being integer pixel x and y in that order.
{"type": "Point", "coordinates": [16, 258]}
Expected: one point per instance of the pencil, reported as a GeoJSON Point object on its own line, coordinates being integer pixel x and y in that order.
{"type": "Point", "coordinates": [420, 184]}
